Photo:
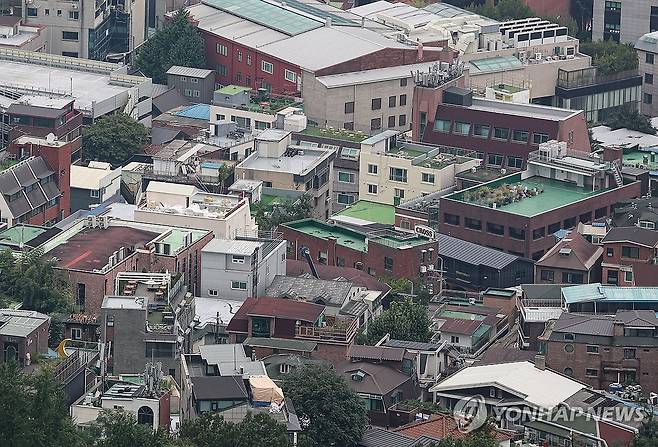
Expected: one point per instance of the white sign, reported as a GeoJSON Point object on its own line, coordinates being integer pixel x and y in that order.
{"type": "Point", "coordinates": [424, 231]}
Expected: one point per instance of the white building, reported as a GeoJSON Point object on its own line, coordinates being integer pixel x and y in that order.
{"type": "Point", "coordinates": [227, 216]}
{"type": "Point", "coordinates": [93, 184]}
{"type": "Point", "coordinates": [240, 269]}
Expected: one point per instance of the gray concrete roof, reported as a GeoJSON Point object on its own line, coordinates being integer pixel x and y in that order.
{"type": "Point", "coordinates": [20, 323]}
{"type": "Point", "coordinates": [333, 293]}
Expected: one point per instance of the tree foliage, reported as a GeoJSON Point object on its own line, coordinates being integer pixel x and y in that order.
{"type": "Point", "coordinates": [483, 437]}
{"type": "Point", "coordinates": [610, 57]}
{"type": "Point", "coordinates": [404, 320]}
{"type": "Point", "coordinates": [331, 413]}
{"type": "Point", "coordinates": [628, 117]}
{"type": "Point", "coordinates": [268, 217]}
{"type": "Point", "coordinates": [254, 431]}
{"type": "Point", "coordinates": [648, 434]}
{"type": "Point", "coordinates": [33, 282]}
{"type": "Point", "coordinates": [114, 139]}
{"type": "Point", "coordinates": [581, 11]}
{"type": "Point", "coordinates": [177, 43]}
{"type": "Point", "coordinates": [503, 10]}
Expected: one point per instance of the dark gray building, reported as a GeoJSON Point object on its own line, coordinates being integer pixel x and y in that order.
{"type": "Point", "coordinates": [196, 84]}
{"type": "Point", "coordinates": [474, 266]}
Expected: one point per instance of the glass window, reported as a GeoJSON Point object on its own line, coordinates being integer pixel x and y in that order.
{"type": "Point", "coordinates": [514, 162]}
{"type": "Point", "coordinates": [392, 101]}
{"type": "Point", "coordinates": [69, 35]}
{"type": "Point", "coordinates": [402, 120]}
{"type": "Point", "coordinates": [375, 124]}
{"type": "Point", "coordinates": [591, 349]}
{"type": "Point", "coordinates": [501, 133]}
{"type": "Point", "coordinates": [349, 107]}
{"type": "Point", "coordinates": [346, 177]}
{"type": "Point", "coordinates": [267, 67]}
{"type": "Point", "coordinates": [538, 138]}
{"type": "Point", "coordinates": [648, 98]}
{"type": "Point", "coordinates": [520, 136]}
{"type": "Point", "coordinates": [398, 193]}
{"type": "Point", "coordinates": [462, 128]}
{"type": "Point", "coordinates": [290, 76]}
{"type": "Point", "coordinates": [403, 100]}
{"type": "Point", "coordinates": [403, 82]}
{"type": "Point", "coordinates": [630, 252]}
{"type": "Point", "coordinates": [238, 285]}
{"type": "Point", "coordinates": [427, 177]}
{"type": "Point", "coordinates": [572, 278]}
{"type": "Point", "coordinates": [517, 233]}
{"type": "Point", "coordinates": [451, 219]}
{"type": "Point", "coordinates": [398, 175]}
{"type": "Point", "coordinates": [648, 58]}
{"type": "Point", "coordinates": [628, 276]}
{"type": "Point", "coordinates": [473, 224]}
{"type": "Point", "coordinates": [391, 121]}
{"type": "Point", "coordinates": [32, 12]}
{"type": "Point", "coordinates": [376, 103]}
{"type": "Point", "coordinates": [548, 275]}
{"type": "Point", "coordinates": [495, 159]}
{"type": "Point", "coordinates": [495, 229]}
{"type": "Point", "coordinates": [442, 125]}
{"type": "Point", "coordinates": [222, 70]}
{"type": "Point", "coordinates": [222, 49]}
{"type": "Point", "coordinates": [629, 353]}
{"type": "Point", "coordinates": [481, 130]}
{"type": "Point", "coordinates": [372, 189]}
{"type": "Point", "coordinates": [372, 169]}
{"type": "Point", "coordinates": [538, 233]}
{"type": "Point", "coordinates": [591, 372]}
{"type": "Point", "coordinates": [613, 277]}
{"type": "Point", "coordinates": [388, 263]}
{"type": "Point", "coordinates": [344, 199]}
{"type": "Point", "coordinates": [648, 78]}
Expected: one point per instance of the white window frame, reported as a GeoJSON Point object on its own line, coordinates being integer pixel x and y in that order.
{"type": "Point", "coordinates": [74, 331]}
{"type": "Point", "coordinates": [373, 169]}
{"type": "Point", "coordinates": [398, 192]}
{"type": "Point", "coordinates": [213, 292]}
{"type": "Point", "coordinates": [284, 368]}
{"type": "Point", "coordinates": [237, 259]}
{"type": "Point", "coordinates": [197, 93]}
{"type": "Point", "coordinates": [350, 175]}
{"type": "Point", "coordinates": [290, 75]}
{"type": "Point", "coordinates": [647, 224]}
{"type": "Point", "coordinates": [95, 193]}
{"type": "Point", "coordinates": [429, 176]}
{"type": "Point", "coordinates": [187, 92]}
{"type": "Point", "coordinates": [264, 64]}
{"type": "Point", "coordinates": [373, 189]}
{"type": "Point", "coordinates": [236, 285]}
{"type": "Point", "coordinates": [194, 80]}
{"type": "Point", "coordinates": [222, 49]}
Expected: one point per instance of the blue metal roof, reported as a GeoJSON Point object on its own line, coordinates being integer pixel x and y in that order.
{"type": "Point", "coordinates": [597, 292]}
{"type": "Point", "coordinates": [211, 165]}
{"type": "Point", "coordinates": [197, 111]}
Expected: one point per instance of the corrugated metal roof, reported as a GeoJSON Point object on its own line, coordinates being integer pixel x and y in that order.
{"type": "Point", "coordinates": [375, 353]}
{"type": "Point", "coordinates": [415, 345]}
{"type": "Point", "coordinates": [585, 324]}
{"type": "Point", "coordinates": [281, 343]}
{"type": "Point", "coordinates": [597, 292]}
{"type": "Point", "coordinates": [471, 253]}
{"type": "Point", "coordinates": [231, 247]}
{"type": "Point", "coordinates": [177, 70]}
{"type": "Point", "coordinates": [197, 111]}
{"type": "Point", "coordinates": [379, 437]}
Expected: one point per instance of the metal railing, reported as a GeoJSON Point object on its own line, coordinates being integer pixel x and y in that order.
{"type": "Point", "coordinates": [331, 334]}
{"type": "Point", "coordinates": [589, 76]}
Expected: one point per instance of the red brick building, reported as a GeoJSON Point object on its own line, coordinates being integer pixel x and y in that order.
{"type": "Point", "coordinates": [573, 260]}
{"type": "Point", "coordinates": [629, 257]}
{"type": "Point", "coordinates": [92, 267]}
{"type": "Point", "coordinates": [23, 335]}
{"type": "Point", "coordinates": [386, 252]}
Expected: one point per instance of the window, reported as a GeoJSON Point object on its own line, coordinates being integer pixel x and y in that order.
{"type": "Point", "coordinates": [648, 58]}
{"type": "Point", "coordinates": [239, 55]}
{"type": "Point", "coordinates": [629, 353]}
{"type": "Point", "coordinates": [74, 15]}
{"type": "Point", "coordinates": [290, 76]}
{"type": "Point", "coordinates": [69, 35]}
{"type": "Point", "coordinates": [31, 12]}
{"type": "Point", "coordinates": [372, 169]}
{"type": "Point", "coordinates": [222, 49]}
{"type": "Point", "coordinates": [427, 178]}
{"type": "Point", "coordinates": [196, 93]}
{"type": "Point", "coordinates": [473, 224]}
{"type": "Point", "coordinates": [568, 348]}
{"type": "Point", "coordinates": [495, 159]}
{"type": "Point", "coordinates": [392, 100]}
{"type": "Point", "coordinates": [388, 263]}
{"type": "Point", "coordinates": [568, 372]}
{"type": "Point", "coordinates": [454, 339]}
{"type": "Point", "coordinates": [284, 368]}
{"type": "Point", "coordinates": [194, 80]}
{"type": "Point", "coordinates": [496, 229]}
{"type": "Point", "coordinates": [501, 133]}
{"type": "Point", "coordinates": [569, 337]}
{"type": "Point", "coordinates": [160, 350]}
{"type": "Point", "coordinates": [344, 199]}
{"type": "Point", "coordinates": [630, 252]}
{"type": "Point", "coordinates": [59, 13]}
{"type": "Point", "coordinates": [591, 372]}
{"type": "Point", "coordinates": [349, 107]}
{"type": "Point", "coordinates": [610, 252]}
{"type": "Point", "coordinates": [391, 121]}
{"type": "Point", "coordinates": [628, 276]}
{"type": "Point", "coordinates": [648, 98]}
{"type": "Point", "coordinates": [398, 175]}
{"type": "Point", "coordinates": [376, 103]}
{"type": "Point", "coordinates": [451, 219]}
{"type": "Point", "coordinates": [539, 138]}
{"type": "Point", "coordinates": [222, 70]}
{"type": "Point", "coordinates": [403, 100]}
{"type": "Point", "coordinates": [514, 162]}
{"type": "Point", "coordinates": [520, 136]}
{"type": "Point", "coordinates": [372, 189]}
{"type": "Point", "coordinates": [548, 275]}
{"type": "Point", "coordinates": [238, 285]}
{"type": "Point", "coordinates": [442, 125]}
{"type": "Point", "coordinates": [46, 12]}
{"type": "Point", "coordinates": [76, 333]}
{"type": "Point", "coordinates": [95, 193]}
{"type": "Point", "coordinates": [403, 82]}
{"type": "Point", "coordinates": [462, 128]}
{"type": "Point", "coordinates": [398, 192]}
{"type": "Point", "coordinates": [248, 59]}
{"type": "Point", "coordinates": [591, 349]}
{"type": "Point", "coordinates": [375, 124]}
{"type": "Point", "coordinates": [348, 125]}
{"type": "Point", "coordinates": [572, 278]}
{"type": "Point", "coordinates": [235, 259]}
{"type": "Point", "coordinates": [402, 120]}
{"type": "Point", "coordinates": [212, 292]}
{"type": "Point", "coordinates": [267, 67]}
{"type": "Point", "coordinates": [145, 416]}
{"type": "Point", "coordinates": [648, 78]}
{"type": "Point", "coordinates": [346, 177]}
{"type": "Point", "coordinates": [613, 277]}
{"type": "Point", "coordinates": [647, 224]}
{"type": "Point", "coordinates": [481, 130]}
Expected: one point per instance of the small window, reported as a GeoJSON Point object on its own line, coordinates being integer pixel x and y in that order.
{"type": "Point", "coordinates": [391, 121]}
{"type": "Point", "coordinates": [610, 252]}
{"type": "Point", "coordinates": [392, 101]}
{"type": "Point", "coordinates": [403, 82]}
{"type": "Point", "coordinates": [591, 372]}
{"type": "Point", "coordinates": [629, 353]}
{"type": "Point", "coordinates": [539, 138]}
{"type": "Point", "coordinates": [628, 276]}
{"type": "Point", "coordinates": [59, 13]}
{"type": "Point", "coordinates": [46, 12]}
{"type": "Point", "coordinates": [290, 76]}
{"type": "Point", "coordinates": [648, 98]}
{"type": "Point", "coordinates": [212, 292]}
{"type": "Point", "coordinates": [568, 348]}
{"type": "Point", "coordinates": [267, 67]}
{"type": "Point", "coordinates": [222, 49]}
{"type": "Point", "coordinates": [239, 55]}
{"type": "Point", "coordinates": [520, 136]}
{"type": "Point", "coordinates": [95, 193]}
{"type": "Point", "coordinates": [648, 78]}
{"type": "Point", "coordinates": [648, 58]}
{"type": "Point", "coordinates": [388, 263]}
{"type": "Point", "coordinates": [402, 120]}
{"type": "Point", "coordinates": [375, 124]}
{"type": "Point", "coordinates": [591, 349]}
{"type": "Point", "coordinates": [568, 372]}
{"type": "Point", "coordinates": [442, 125]}
{"type": "Point", "coordinates": [222, 70]}
{"type": "Point", "coordinates": [194, 80]}
{"type": "Point", "coordinates": [514, 162]}
{"type": "Point", "coordinates": [248, 59]}
{"type": "Point", "coordinates": [427, 178]}
{"type": "Point", "coordinates": [372, 189]}
{"type": "Point", "coordinates": [481, 130]}
{"type": "Point", "coordinates": [69, 35]}
{"type": "Point", "coordinates": [344, 199]}
{"type": "Point", "coordinates": [398, 174]}
{"type": "Point", "coordinates": [496, 229]}
{"type": "Point", "coordinates": [473, 224]}
{"type": "Point", "coordinates": [548, 275]}
{"type": "Point", "coordinates": [495, 159]}
{"type": "Point", "coordinates": [372, 169]}
{"type": "Point", "coordinates": [74, 15]}
{"type": "Point", "coordinates": [32, 12]}
{"type": "Point", "coordinates": [238, 285]}
{"type": "Point", "coordinates": [538, 233]}
{"type": "Point", "coordinates": [398, 193]}
{"type": "Point", "coordinates": [451, 219]}
{"type": "Point", "coordinates": [492, 392]}
{"type": "Point", "coordinates": [569, 337]}
{"type": "Point", "coordinates": [235, 259]}
{"type": "Point", "coordinates": [349, 107]}
{"type": "Point", "coordinates": [630, 252]}
{"type": "Point", "coordinates": [376, 103]}
{"type": "Point", "coordinates": [454, 339]}
{"type": "Point", "coordinates": [501, 133]}
{"type": "Point", "coordinates": [403, 100]}
{"type": "Point", "coordinates": [462, 128]}
{"type": "Point", "coordinates": [284, 368]}
{"type": "Point", "coordinates": [76, 333]}
{"type": "Point", "coordinates": [346, 177]}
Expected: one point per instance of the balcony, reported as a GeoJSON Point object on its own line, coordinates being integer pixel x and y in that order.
{"type": "Point", "coordinates": [336, 331]}
{"type": "Point", "coordinates": [585, 77]}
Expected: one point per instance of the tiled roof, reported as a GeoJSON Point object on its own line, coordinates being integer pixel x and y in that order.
{"type": "Point", "coordinates": [440, 426]}
{"type": "Point", "coordinates": [379, 437]}
{"type": "Point", "coordinates": [379, 379]}
{"type": "Point", "coordinates": [474, 254]}
{"type": "Point", "coordinates": [459, 326]}
{"type": "Point", "coordinates": [274, 307]}
{"type": "Point", "coordinates": [637, 318]}
{"type": "Point", "coordinates": [638, 235]}
{"type": "Point", "coordinates": [585, 324]}
{"type": "Point", "coordinates": [573, 252]}
{"type": "Point", "coordinates": [381, 353]}
{"type": "Point", "coordinates": [356, 276]}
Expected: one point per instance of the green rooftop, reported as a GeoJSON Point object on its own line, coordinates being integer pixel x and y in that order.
{"type": "Point", "coordinates": [354, 239]}
{"type": "Point", "coordinates": [176, 239]}
{"type": "Point", "coordinates": [233, 89]}
{"type": "Point", "coordinates": [641, 158]}
{"type": "Point", "coordinates": [461, 315]}
{"type": "Point", "coordinates": [511, 89]}
{"type": "Point", "coordinates": [551, 194]}
{"type": "Point", "coordinates": [370, 211]}
{"type": "Point", "coordinates": [336, 134]}
{"type": "Point", "coordinates": [21, 234]}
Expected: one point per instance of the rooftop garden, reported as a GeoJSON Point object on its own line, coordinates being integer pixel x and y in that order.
{"type": "Point", "coordinates": [271, 104]}
{"type": "Point", "coordinates": [337, 134]}
{"type": "Point", "coordinates": [501, 195]}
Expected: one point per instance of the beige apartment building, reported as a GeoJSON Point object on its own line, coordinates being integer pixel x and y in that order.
{"type": "Point", "coordinates": [393, 172]}
{"type": "Point", "coordinates": [647, 53]}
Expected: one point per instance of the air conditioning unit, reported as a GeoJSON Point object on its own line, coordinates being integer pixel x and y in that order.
{"type": "Point", "coordinates": [423, 268]}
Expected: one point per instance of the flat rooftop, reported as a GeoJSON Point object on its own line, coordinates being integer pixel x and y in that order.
{"type": "Point", "coordinates": [336, 134]}
{"type": "Point", "coordinates": [91, 248]}
{"type": "Point", "coordinates": [297, 164]}
{"type": "Point", "coordinates": [354, 239]}
{"type": "Point", "coordinates": [87, 87]}
{"type": "Point", "coordinates": [556, 194]}
{"type": "Point", "coordinates": [370, 211]}
{"type": "Point", "coordinates": [21, 234]}
{"type": "Point", "coordinates": [642, 158]}
{"type": "Point", "coordinates": [525, 110]}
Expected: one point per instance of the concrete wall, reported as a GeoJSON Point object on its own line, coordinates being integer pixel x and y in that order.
{"type": "Point", "coordinates": [200, 91]}
{"type": "Point", "coordinates": [635, 16]}
{"type": "Point", "coordinates": [645, 68]}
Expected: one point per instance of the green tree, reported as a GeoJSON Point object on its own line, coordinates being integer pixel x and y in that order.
{"type": "Point", "coordinates": [648, 434]}
{"type": "Point", "coordinates": [628, 117]}
{"type": "Point", "coordinates": [268, 217]}
{"type": "Point", "coordinates": [117, 428]}
{"type": "Point", "coordinates": [503, 10]}
{"type": "Point", "coordinates": [581, 11]}
{"type": "Point", "coordinates": [610, 57]}
{"type": "Point", "coordinates": [404, 320]}
{"type": "Point", "coordinates": [483, 437]}
{"type": "Point", "coordinates": [211, 430]}
{"type": "Point", "coordinates": [114, 139]}
{"type": "Point", "coordinates": [177, 43]}
{"type": "Point", "coordinates": [331, 413]}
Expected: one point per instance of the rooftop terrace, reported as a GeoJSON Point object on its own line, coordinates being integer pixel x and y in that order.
{"type": "Point", "coordinates": [337, 134]}
{"type": "Point", "coordinates": [370, 211]}
{"type": "Point", "coordinates": [354, 239]}
{"type": "Point", "coordinates": [550, 194]}
{"type": "Point", "coordinates": [647, 158]}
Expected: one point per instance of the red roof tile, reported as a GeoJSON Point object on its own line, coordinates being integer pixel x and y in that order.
{"type": "Point", "coordinates": [273, 307]}
{"type": "Point", "coordinates": [440, 426]}
{"type": "Point", "coordinates": [459, 326]}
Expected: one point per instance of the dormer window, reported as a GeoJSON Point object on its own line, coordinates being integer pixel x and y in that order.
{"type": "Point", "coordinates": [569, 337]}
